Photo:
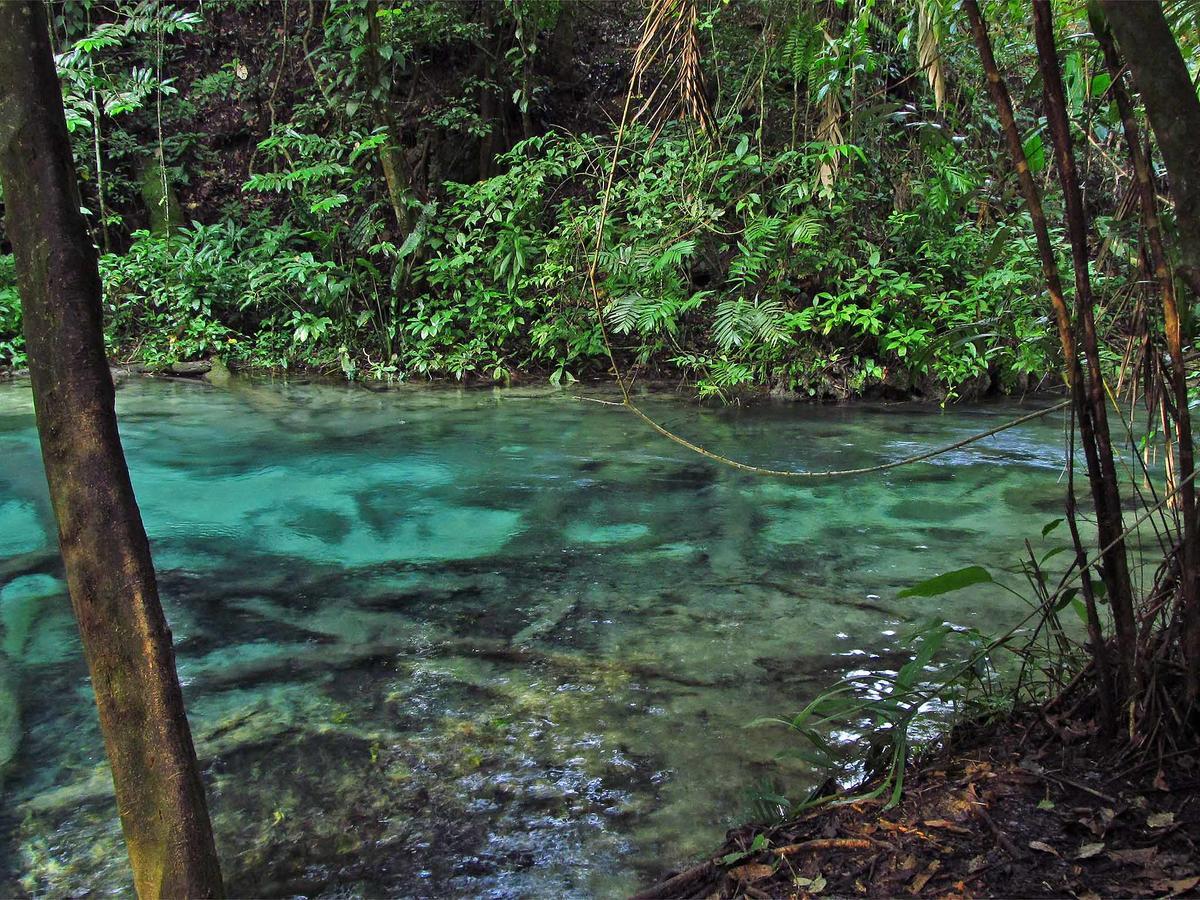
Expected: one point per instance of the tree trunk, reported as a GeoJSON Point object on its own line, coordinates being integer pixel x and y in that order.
{"type": "Point", "coordinates": [1189, 550]}
{"type": "Point", "coordinates": [1162, 79]}
{"type": "Point", "coordinates": [125, 637]}
{"type": "Point", "coordinates": [1062, 315]}
{"type": "Point", "coordinates": [390, 157]}
{"type": "Point", "coordinates": [1105, 489]}
{"type": "Point", "coordinates": [158, 194]}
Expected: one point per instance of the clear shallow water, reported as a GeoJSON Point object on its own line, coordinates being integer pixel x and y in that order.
{"type": "Point", "coordinates": [494, 643]}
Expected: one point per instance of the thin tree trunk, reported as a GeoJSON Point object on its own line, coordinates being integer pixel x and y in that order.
{"type": "Point", "coordinates": [999, 91]}
{"type": "Point", "coordinates": [1105, 490]}
{"type": "Point", "coordinates": [96, 150]}
{"type": "Point", "coordinates": [160, 796]}
{"type": "Point", "coordinates": [1062, 315]}
{"type": "Point", "coordinates": [1186, 497]}
{"type": "Point", "coordinates": [390, 157]}
{"type": "Point", "coordinates": [1161, 76]}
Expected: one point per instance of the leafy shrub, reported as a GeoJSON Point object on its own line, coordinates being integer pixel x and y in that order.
{"type": "Point", "coordinates": [739, 268]}
{"type": "Point", "coordinates": [12, 341]}
{"type": "Point", "coordinates": [248, 292]}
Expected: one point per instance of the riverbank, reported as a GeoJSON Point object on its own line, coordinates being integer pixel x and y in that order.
{"type": "Point", "coordinates": [1027, 806]}
{"type": "Point", "coordinates": [215, 370]}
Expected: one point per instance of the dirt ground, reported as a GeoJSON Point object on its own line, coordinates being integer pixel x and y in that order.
{"type": "Point", "coordinates": [1025, 808]}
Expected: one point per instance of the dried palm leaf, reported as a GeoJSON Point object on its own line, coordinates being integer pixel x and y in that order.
{"type": "Point", "coordinates": [930, 31]}
{"type": "Point", "coordinates": [670, 52]}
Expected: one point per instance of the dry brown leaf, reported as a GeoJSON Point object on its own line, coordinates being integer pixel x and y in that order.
{"type": "Point", "coordinates": [1087, 851]}
{"type": "Point", "coordinates": [1042, 847]}
{"type": "Point", "coordinates": [918, 883]}
{"type": "Point", "coordinates": [752, 872]}
{"type": "Point", "coordinates": [947, 825]}
{"type": "Point", "coordinates": [1142, 857]}
{"type": "Point", "coordinates": [1183, 885]}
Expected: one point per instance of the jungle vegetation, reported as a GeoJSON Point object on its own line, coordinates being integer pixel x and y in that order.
{"type": "Point", "coordinates": [411, 189]}
{"type": "Point", "coordinates": [823, 199]}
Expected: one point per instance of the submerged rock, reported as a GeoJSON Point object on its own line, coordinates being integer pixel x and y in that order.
{"type": "Point", "coordinates": [218, 375]}
{"type": "Point", "coordinates": [199, 367]}
{"type": "Point", "coordinates": [24, 602]}
{"type": "Point", "coordinates": [10, 714]}
{"type": "Point", "coordinates": [547, 618]}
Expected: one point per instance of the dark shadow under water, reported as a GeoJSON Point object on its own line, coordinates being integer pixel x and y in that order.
{"type": "Point", "coordinates": [488, 643]}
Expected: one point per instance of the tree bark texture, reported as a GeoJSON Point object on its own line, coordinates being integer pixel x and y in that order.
{"type": "Point", "coordinates": [160, 797]}
{"type": "Point", "coordinates": [1105, 489]}
{"type": "Point", "coordinates": [1177, 373]}
{"type": "Point", "coordinates": [391, 159]}
{"type": "Point", "coordinates": [1066, 331]}
{"type": "Point", "coordinates": [1161, 77]}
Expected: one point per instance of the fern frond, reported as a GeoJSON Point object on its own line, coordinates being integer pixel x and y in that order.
{"type": "Point", "coordinates": [673, 256]}
{"type": "Point", "coordinates": [805, 228]}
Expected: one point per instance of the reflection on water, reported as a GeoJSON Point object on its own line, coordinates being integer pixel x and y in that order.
{"type": "Point", "coordinates": [485, 642]}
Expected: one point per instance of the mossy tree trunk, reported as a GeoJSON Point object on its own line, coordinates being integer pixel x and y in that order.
{"type": "Point", "coordinates": [1176, 369]}
{"type": "Point", "coordinates": [391, 158]}
{"type": "Point", "coordinates": [160, 797]}
{"type": "Point", "coordinates": [158, 194]}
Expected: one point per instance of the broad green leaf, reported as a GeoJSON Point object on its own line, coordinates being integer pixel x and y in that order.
{"type": "Point", "coordinates": [1035, 153]}
{"type": "Point", "coordinates": [948, 581]}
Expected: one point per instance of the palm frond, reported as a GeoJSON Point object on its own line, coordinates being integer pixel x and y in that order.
{"type": "Point", "coordinates": [670, 49]}
{"type": "Point", "coordinates": [931, 29]}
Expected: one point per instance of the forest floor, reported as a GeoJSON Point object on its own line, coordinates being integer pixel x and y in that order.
{"type": "Point", "coordinates": [1026, 807]}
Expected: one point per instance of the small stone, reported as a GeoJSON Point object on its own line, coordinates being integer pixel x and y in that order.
{"type": "Point", "coordinates": [543, 791]}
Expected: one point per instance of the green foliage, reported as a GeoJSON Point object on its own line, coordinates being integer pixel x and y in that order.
{"type": "Point", "coordinates": [948, 581]}
{"type": "Point", "coordinates": [708, 261]}
{"type": "Point", "coordinates": [12, 341]}
{"type": "Point", "coordinates": [892, 709]}
{"type": "Point", "coordinates": [246, 293]}
{"type": "Point", "coordinates": [783, 254]}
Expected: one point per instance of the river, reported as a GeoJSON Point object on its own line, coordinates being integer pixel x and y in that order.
{"type": "Point", "coordinates": [490, 642]}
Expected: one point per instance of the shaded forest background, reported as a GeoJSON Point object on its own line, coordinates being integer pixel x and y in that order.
{"type": "Point", "coordinates": [399, 190]}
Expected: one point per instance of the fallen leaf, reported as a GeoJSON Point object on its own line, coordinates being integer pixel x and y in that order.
{"type": "Point", "coordinates": [921, 880]}
{"type": "Point", "coordinates": [1043, 847]}
{"type": "Point", "coordinates": [1087, 851]}
{"type": "Point", "coordinates": [812, 885]}
{"type": "Point", "coordinates": [1183, 885]}
{"type": "Point", "coordinates": [1160, 819]}
{"type": "Point", "coordinates": [1141, 857]}
{"type": "Point", "coordinates": [947, 825]}
{"type": "Point", "coordinates": [752, 872]}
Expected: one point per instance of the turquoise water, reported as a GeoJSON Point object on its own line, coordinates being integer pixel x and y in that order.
{"type": "Point", "coordinates": [476, 642]}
